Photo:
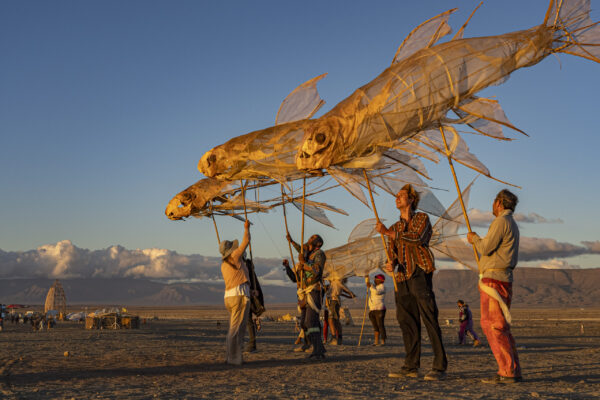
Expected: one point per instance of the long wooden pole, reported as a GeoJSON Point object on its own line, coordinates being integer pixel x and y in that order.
{"type": "Point", "coordinates": [460, 198]}
{"type": "Point", "coordinates": [212, 216]}
{"type": "Point", "coordinates": [364, 312]}
{"type": "Point", "coordinates": [287, 232]}
{"type": "Point", "coordinates": [302, 233]}
{"type": "Point", "coordinates": [377, 217]}
{"type": "Point", "coordinates": [246, 216]}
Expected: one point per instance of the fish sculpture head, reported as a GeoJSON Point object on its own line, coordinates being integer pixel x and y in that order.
{"type": "Point", "coordinates": [197, 199]}
{"type": "Point", "coordinates": [181, 206]}
{"type": "Point", "coordinates": [322, 143]}
{"type": "Point", "coordinates": [212, 162]}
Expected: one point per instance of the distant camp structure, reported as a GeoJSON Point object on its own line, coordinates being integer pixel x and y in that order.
{"type": "Point", "coordinates": [112, 319]}
{"type": "Point", "coordinates": [56, 300]}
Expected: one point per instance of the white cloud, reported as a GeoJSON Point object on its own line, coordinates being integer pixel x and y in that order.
{"type": "Point", "coordinates": [593, 247]}
{"type": "Point", "coordinates": [65, 260]}
{"type": "Point", "coordinates": [484, 218]}
{"type": "Point", "coordinates": [557, 264]}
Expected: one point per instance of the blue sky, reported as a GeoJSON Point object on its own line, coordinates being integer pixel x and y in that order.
{"type": "Point", "coordinates": [106, 108]}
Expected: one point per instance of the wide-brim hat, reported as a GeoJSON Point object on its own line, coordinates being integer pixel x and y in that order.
{"type": "Point", "coordinates": [226, 247]}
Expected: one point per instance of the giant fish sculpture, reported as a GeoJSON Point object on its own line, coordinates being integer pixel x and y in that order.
{"type": "Point", "coordinates": [411, 99]}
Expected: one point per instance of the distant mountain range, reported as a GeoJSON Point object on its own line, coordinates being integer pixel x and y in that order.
{"type": "Point", "coordinates": [532, 287]}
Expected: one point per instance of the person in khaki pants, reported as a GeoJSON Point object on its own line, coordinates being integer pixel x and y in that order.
{"type": "Point", "coordinates": [237, 293]}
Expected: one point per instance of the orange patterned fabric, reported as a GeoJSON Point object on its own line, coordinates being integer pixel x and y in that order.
{"type": "Point", "coordinates": [497, 330]}
{"type": "Point", "coordinates": [410, 247]}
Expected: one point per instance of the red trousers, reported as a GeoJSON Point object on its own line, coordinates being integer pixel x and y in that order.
{"type": "Point", "coordinates": [497, 330]}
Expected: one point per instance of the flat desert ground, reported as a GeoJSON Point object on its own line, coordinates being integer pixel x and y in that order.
{"type": "Point", "coordinates": [180, 355]}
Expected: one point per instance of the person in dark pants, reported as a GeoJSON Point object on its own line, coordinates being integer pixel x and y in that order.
{"type": "Point", "coordinates": [415, 300]}
{"type": "Point", "coordinates": [309, 273]}
{"type": "Point", "coordinates": [377, 309]}
{"type": "Point", "coordinates": [257, 306]}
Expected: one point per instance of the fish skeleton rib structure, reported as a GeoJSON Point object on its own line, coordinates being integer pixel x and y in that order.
{"type": "Point", "coordinates": [410, 100]}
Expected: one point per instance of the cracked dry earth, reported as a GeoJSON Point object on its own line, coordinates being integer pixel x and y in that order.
{"type": "Point", "coordinates": [182, 358]}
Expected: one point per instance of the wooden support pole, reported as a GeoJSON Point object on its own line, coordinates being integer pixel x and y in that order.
{"type": "Point", "coordinates": [302, 232]}
{"type": "Point", "coordinates": [460, 198]}
{"type": "Point", "coordinates": [387, 254]}
{"type": "Point", "coordinates": [246, 216]}
{"type": "Point", "coordinates": [287, 232]}
{"type": "Point", "coordinates": [212, 216]}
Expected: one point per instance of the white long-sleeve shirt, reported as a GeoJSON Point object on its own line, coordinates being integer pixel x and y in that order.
{"type": "Point", "coordinates": [377, 297]}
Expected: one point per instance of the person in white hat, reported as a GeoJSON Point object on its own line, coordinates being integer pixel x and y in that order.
{"type": "Point", "coordinates": [237, 293]}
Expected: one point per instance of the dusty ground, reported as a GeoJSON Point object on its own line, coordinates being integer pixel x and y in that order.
{"type": "Point", "coordinates": [183, 359]}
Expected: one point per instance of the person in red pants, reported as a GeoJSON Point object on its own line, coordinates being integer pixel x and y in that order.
{"type": "Point", "coordinates": [499, 251]}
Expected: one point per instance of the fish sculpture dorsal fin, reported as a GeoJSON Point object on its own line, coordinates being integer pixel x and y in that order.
{"type": "Point", "coordinates": [461, 31]}
{"type": "Point", "coordinates": [425, 35]}
{"type": "Point", "coordinates": [302, 103]}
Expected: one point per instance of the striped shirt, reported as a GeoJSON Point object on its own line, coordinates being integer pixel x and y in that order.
{"type": "Point", "coordinates": [410, 246]}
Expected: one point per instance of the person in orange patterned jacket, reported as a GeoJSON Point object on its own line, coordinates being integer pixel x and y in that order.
{"type": "Point", "coordinates": [412, 266]}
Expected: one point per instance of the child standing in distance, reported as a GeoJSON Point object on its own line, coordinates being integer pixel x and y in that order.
{"type": "Point", "coordinates": [465, 317]}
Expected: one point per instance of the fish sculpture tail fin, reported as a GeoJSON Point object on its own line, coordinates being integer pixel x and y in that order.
{"type": "Point", "coordinates": [574, 31]}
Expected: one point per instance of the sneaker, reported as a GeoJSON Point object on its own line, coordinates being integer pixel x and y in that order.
{"type": "Point", "coordinates": [435, 375]}
{"type": "Point", "coordinates": [404, 373]}
{"type": "Point", "coordinates": [334, 342]}
{"type": "Point", "coordinates": [476, 343]}
{"type": "Point", "coordinates": [499, 380]}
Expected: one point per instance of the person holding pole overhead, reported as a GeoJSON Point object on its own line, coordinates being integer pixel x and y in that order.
{"type": "Point", "coordinates": [499, 251]}
{"type": "Point", "coordinates": [237, 293]}
{"type": "Point", "coordinates": [309, 270]}
{"type": "Point", "coordinates": [415, 300]}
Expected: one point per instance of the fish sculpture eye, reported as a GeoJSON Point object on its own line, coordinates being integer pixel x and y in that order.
{"type": "Point", "coordinates": [320, 137]}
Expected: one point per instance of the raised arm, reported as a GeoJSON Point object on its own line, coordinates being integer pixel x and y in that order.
{"type": "Point", "coordinates": [296, 245]}
{"type": "Point", "coordinates": [237, 253]}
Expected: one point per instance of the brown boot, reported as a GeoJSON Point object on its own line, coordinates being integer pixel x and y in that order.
{"type": "Point", "coordinates": [376, 342]}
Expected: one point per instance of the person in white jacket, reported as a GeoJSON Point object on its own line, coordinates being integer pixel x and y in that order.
{"type": "Point", "coordinates": [377, 308]}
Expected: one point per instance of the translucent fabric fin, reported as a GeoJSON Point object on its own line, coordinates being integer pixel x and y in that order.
{"type": "Point", "coordinates": [576, 33]}
{"type": "Point", "coordinates": [314, 213]}
{"type": "Point", "coordinates": [416, 149]}
{"type": "Point", "coordinates": [486, 117]}
{"type": "Point", "coordinates": [403, 158]}
{"type": "Point", "coordinates": [452, 219]}
{"type": "Point", "coordinates": [357, 258]}
{"type": "Point", "coordinates": [455, 249]}
{"type": "Point", "coordinates": [350, 183]}
{"type": "Point", "coordinates": [364, 229]}
{"type": "Point", "coordinates": [303, 102]}
{"type": "Point", "coordinates": [461, 31]}
{"type": "Point", "coordinates": [425, 35]}
{"type": "Point", "coordinates": [459, 151]}
{"type": "Point", "coordinates": [429, 203]}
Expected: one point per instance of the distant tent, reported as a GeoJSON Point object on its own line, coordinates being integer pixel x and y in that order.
{"type": "Point", "coordinates": [56, 300]}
